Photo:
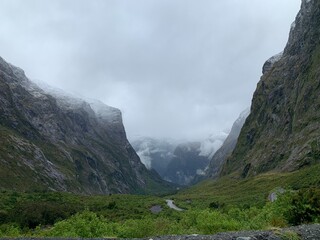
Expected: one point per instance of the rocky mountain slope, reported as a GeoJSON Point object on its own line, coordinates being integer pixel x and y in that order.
{"type": "Point", "coordinates": [155, 153]}
{"type": "Point", "coordinates": [58, 142]}
{"type": "Point", "coordinates": [186, 163]}
{"type": "Point", "coordinates": [179, 162]}
{"type": "Point", "coordinates": [227, 147]}
{"type": "Point", "coordinates": [282, 133]}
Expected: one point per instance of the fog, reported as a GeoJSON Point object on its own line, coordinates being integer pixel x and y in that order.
{"type": "Point", "coordinates": [175, 68]}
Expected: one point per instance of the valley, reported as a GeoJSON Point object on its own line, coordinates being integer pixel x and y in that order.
{"type": "Point", "coordinates": [68, 170]}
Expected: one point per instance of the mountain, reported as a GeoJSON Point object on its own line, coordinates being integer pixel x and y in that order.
{"type": "Point", "coordinates": [155, 153]}
{"type": "Point", "coordinates": [49, 140]}
{"type": "Point", "coordinates": [186, 163]}
{"type": "Point", "coordinates": [227, 147]}
{"type": "Point", "coordinates": [282, 133]}
{"type": "Point", "coordinates": [177, 161]}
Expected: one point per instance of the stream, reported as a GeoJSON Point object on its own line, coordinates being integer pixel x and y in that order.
{"type": "Point", "coordinates": [172, 205]}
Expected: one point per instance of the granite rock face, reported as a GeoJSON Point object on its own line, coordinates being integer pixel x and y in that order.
{"type": "Point", "coordinates": [49, 140]}
{"type": "Point", "coordinates": [282, 133]}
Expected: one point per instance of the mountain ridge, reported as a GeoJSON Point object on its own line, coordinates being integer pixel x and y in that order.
{"type": "Point", "coordinates": [64, 144]}
{"type": "Point", "coordinates": [282, 131]}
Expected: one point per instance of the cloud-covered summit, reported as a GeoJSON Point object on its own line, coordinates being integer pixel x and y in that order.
{"type": "Point", "coordinates": [176, 68]}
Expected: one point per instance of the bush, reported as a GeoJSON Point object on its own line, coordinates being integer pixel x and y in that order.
{"type": "Point", "coordinates": [213, 222]}
{"type": "Point", "coordinates": [3, 216]}
{"type": "Point", "coordinates": [216, 205]}
{"type": "Point", "coordinates": [7, 230]}
{"type": "Point", "coordinates": [148, 227]}
{"type": "Point", "coordinates": [85, 225]}
{"type": "Point", "coordinates": [32, 214]}
{"type": "Point", "coordinates": [304, 207]}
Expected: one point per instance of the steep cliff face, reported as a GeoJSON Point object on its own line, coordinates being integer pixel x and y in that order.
{"type": "Point", "coordinates": [52, 141]}
{"type": "Point", "coordinates": [227, 147]}
{"type": "Point", "coordinates": [282, 133]}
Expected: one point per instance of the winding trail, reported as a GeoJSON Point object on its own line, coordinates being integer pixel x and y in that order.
{"type": "Point", "coordinates": [172, 205]}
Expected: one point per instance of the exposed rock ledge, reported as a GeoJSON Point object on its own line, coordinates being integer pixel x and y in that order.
{"type": "Point", "coordinates": [304, 232]}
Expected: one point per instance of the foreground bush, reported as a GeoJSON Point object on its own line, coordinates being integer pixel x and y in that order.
{"type": "Point", "coordinates": [7, 230]}
{"type": "Point", "coordinates": [85, 225]}
{"type": "Point", "coordinates": [32, 214]}
{"type": "Point", "coordinates": [302, 206]}
{"type": "Point", "coordinates": [51, 219]}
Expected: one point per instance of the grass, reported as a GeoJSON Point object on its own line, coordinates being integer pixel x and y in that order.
{"type": "Point", "coordinates": [252, 191]}
{"type": "Point", "coordinates": [229, 204]}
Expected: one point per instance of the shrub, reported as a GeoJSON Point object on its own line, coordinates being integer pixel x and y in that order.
{"type": "Point", "coordinates": [3, 216]}
{"type": "Point", "coordinates": [85, 225]}
{"type": "Point", "coordinates": [7, 230]}
{"type": "Point", "coordinates": [304, 207]}
{"type": "Point", "coordinates": [216, 205]}
{"type": "Point", "coordinates": [147, 227]}
{"type": "Point", "coordinates": [32, 214]}
{"type": "Point", "coordinates": [209, 222]}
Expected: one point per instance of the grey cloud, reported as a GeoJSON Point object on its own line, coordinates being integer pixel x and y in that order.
{"type": "Point", "coordinates": [176, 68]}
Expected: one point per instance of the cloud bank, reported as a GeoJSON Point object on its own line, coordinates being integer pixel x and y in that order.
{"type": "Point", "coordinates": [176, 68]}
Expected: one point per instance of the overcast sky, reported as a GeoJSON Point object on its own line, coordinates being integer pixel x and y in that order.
{"type": "Point", "coordinates": [175, 68]}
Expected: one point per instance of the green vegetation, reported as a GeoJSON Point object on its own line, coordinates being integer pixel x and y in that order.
{"type": "Point", "coordinates": [211, 207]}
{"type": "Point", "coordinates": [247, 192]}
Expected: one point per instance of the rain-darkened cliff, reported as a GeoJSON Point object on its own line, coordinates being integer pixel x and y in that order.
{"type": "Point", "coordinates": [282, 133]}
{"type": "Point", "coordinates": [50, 141]}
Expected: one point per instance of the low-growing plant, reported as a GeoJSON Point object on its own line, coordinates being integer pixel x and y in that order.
{"type": "Point", "coordinates": [31, 214]}
{"type": "Point", "coordinates": [9, 230]}
{"type": "Point", "coordinates": [301, 206]}
{"type": "Point", "coordinates": [85, 225]}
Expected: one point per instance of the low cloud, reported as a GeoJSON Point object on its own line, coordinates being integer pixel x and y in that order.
{"type": "Point", "coordinates": [210, 145]}
{"type": "Point", "coordinates": [175, 68]}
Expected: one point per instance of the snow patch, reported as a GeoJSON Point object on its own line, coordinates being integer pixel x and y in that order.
{"type": "Point", "coordinates": [275, 58]}
{"type": "Point", "coordinates": [104, 111]}
{"type": "Point", "coordinates": [72, 101]}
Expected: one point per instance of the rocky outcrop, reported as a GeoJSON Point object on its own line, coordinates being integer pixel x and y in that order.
{"type": "Point", "coordinates": [282, 132]}
{"type": "Point", "coordinates": [53, 141]}
{"type": "Point", "coordinates": [267, 66]}
{"type": "Point", "coordinates": [227, 147]}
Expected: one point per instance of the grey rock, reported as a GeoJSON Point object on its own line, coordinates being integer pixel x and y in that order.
{"type": "Point", "coordinates": [282, 132]}
{"type": "Point", "coordinates": [273, 196]}
{"type": "Point", "coordinates": [64, 143]}
{"type": "Point", "coordinates": [156, 209]}
{"type": "Point", "coordinates": [270, 62]}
